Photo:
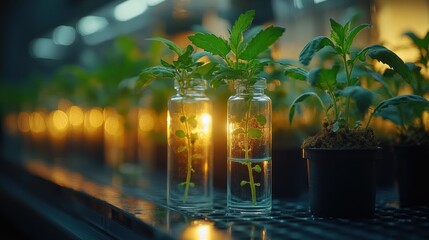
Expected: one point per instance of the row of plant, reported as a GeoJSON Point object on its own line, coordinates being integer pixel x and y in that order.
{"type": "Point", "coordinates": [344, 87]}
{"type": "Point", "coordinates": [346, 142]}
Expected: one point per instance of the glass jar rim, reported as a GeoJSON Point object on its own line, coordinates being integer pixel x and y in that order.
{"type": "Point", "coordinates": [260, 82]}
{"type": "Point", "coordinates": [193, 83]}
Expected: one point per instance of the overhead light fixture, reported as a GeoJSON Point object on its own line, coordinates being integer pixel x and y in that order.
{"type": "Point", "coordinates": [44, 48]}
{"type": "Point", "coordinates": [319, 1]}
{"type": "Point", "coordinates": [64, 35]}
{"type": "Point", "coordinates": [91, 24]}
{"type": "Point", "coordinates": [154, 2]}
{"type": "Point", "coordinates": [130, 9]}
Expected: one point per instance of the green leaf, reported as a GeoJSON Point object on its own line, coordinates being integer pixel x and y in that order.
{"type": "Point", "coordinates": [297, 73]}
{"type": "Point", "coordinates": [238, 131]}
{"type": "Point", "coordinates": [261, 119]}
{"type": "Point", "coordinates": [243, 22]}
{"type": "Point", "coordinates": [182, 119]}
{"type": "Point", "coordinates": [180, 134]}
{"type": "Point", "coordinates": [182, 149]}
{"type": "Point", "coordinates": [193, 121]}
{"type": "Point", "coordinates": [408, 99]}
{"type": "Point", "coordinates": [416, 40]}
{"type": "Point", "coordinates": [171, 45]}
{"type": "Point", "coordinates": [338, 33]}
{"type": "Point", "coordinates": [211, 43]}
{"type": "Point", "coordinates": [362, 96]}
{"type": "Point", "coordinates": [257, 184]}
{"type": "Point", "coordinates": [261, 42]}
{"type": "Point", "coordinates": [191, 184]}
{"type": "Point", "coordinates": [254, 133]}
{"type": "Point", "coordinates": [206, 70]}
{"type": "Point", "coordinates": [152, 73]}
{"type": "Point", "coordinates": [185, 59]}
{"type": "Point", "coordinates": [166, 64]}
{"type": "Point", "coordinates": [388, 57]}
{"type": "Point", "coordinates": [301, 98]}
{"type": "Point", "coordinates": [242, 183]}
{"type": "Point", "coordinates": [312, 47]}
{"type": "Point", "coordinates": [352, 34]}
{"type": "Point", "coordinates": [325, 79]}
{"type": "Point", "coordinates": [257, 168]}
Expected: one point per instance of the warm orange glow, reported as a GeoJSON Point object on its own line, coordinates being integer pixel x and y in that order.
{"type": "Point", "coordinates": [37, 122]}
{"type": "Point", "coordinates": [59, 120]}
{"type": "Point", "coordinates": [64, 104]}
{"type": "Point", "coordinates": [113, 126]}
{"type": "Point", "coordinates": [146, 120]}
{"type": "Point", "coordinates": [76, 116]}
{"type": "Point", "coordinates": [206, 123]}
{"type": "Point", "coordinates": [10, 123]}
{"type": "Point", "coordinates": [24, 122]}
{"type": "Point", "coordinates": [95, 118]}
{"type": "Point", "coordinates": [203, 230]}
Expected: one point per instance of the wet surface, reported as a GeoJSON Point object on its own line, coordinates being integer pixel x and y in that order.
{"type": "Point", "coordinates": [135, 200]}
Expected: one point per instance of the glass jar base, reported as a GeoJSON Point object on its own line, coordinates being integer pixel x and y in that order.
{"type": "Point", "coordinates": [248, 210]}
{"type": "Point", "coordinates": [191, 206]}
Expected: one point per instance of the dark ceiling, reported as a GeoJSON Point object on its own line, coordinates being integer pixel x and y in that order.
{"type": "Point", "coordinates": [21, 21]}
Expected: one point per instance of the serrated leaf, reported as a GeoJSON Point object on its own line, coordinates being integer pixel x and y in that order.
{"type": "Point", "coordinates": [211, 43]}
{"type": "Point", "coordinates": [325, 79]}
{"type": "Point", "coordinates": [254, 133]}
{"type": "Point", "coordinates": [185, 59]}
{"type": "Point", "coordinates": [261, 119]}
{"type": "Point", "coordinates": [299, 99]}
{"type": "Point", "coordinates": [261, 42]}
{"type": "Point", "coordinates": [257, 168]}
{"type": "Point", "coordinates": [388, 57]}
{"type": "Point", "coordinates": [171, 45]}
{"type": "Point", "coordinates": [313, 47]}
{"type": "Point", "coordinates": [337, 33]}
{"type": "Point", "coordinates": [296, 73]}
{"type": "Point", "coordinates": [182, 149]}
{"type": "Point", "coordinates": [242, 183]}
{"type": "Point", "coordinates": [243, 22]}
{"type": "Point", "coordinates": [362, 96]}
{"type": "Point", "coordinates": [180, 133]}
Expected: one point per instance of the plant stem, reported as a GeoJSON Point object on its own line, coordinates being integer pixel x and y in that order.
{"type": "Point", "coordinates": [246, 156]}
{"type": "Point", "coordinates": [348, 84]}
{"type": "Point", "coordinates": [189, 151]}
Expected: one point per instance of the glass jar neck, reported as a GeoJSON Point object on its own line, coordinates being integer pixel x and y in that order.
{"type": "Point", "coordinates": [242, 87]}
{"type": "Point", "coordinates": [191, 87]}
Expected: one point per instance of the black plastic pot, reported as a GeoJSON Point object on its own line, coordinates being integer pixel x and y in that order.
{"type": "Point", "coordinates": [342, 182]}
{"type": "Point", "coordinates": [413, 175]}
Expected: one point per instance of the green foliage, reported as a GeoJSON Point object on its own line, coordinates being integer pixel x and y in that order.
{"type": "Point", "coordinates": [239, 54]}
{"type": "Point", "coordinates": [341, 81]}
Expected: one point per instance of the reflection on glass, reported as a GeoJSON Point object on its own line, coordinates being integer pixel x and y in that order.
{"type": "Point", "coordinates": [203, 230]}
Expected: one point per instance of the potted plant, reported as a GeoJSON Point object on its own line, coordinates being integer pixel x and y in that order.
{"type": "Point", "coordinates": [341, 157]}
{"type": "Point", "coordinates": [411, 148]}
{"type": "Point", "coordinates": [249, 130]}
{"type": "Point", "coordinates": [189, 127]}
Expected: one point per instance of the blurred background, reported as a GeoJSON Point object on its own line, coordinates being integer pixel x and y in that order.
{"type": "Point", "coordinates": [62, 62]}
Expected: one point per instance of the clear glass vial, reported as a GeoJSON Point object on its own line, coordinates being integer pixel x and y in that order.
{"type": "Point", "coordinates": [190, 147]}
{"type": "Point", "coordinates": [249, 146]}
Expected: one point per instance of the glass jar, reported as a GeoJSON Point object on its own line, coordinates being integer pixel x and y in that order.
{"type": "Point", "coordinates": [249, 142]}
{"type": "Point", "coordinates": [190, 147]}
